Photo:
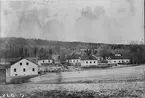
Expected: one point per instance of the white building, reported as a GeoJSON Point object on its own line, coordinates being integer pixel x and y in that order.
{"type": "Point", "coordinates": [22, 67]}
{"type": "Point", "coordinates": [89, 61]}
{"type": "Point", "coordinates": [74, 59]}
{"type": "Point", "coordinates": [45, 61]}
{"type": "Point", "coordinates": [118, 59]}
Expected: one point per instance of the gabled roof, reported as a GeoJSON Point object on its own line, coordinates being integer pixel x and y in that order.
{"type": "Point", "coordinates": [86, 57]}
{"type": "Point", "coordinates": [13, 62]}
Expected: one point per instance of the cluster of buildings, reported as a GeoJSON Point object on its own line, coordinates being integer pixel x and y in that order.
{"type": "Point", "coordinates": [29, 66]}
{"type": "Point", "coordinates": [92, 60]}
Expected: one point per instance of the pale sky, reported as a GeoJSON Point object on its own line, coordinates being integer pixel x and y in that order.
{"type": "Point", "coordinates": [105, 21]}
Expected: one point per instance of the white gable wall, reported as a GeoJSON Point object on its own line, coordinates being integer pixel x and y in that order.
{"type": "Point", "coordinates": [28, 68]}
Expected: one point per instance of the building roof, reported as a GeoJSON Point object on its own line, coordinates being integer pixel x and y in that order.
{"type": "Point", "coordinates": [15, 61]}
{"type": "Point", "coordinates": [33, 59]}
{"type": "Point", "coordinates": [86, 57]}
{"type": "Point", "coordinates": [119, 57]}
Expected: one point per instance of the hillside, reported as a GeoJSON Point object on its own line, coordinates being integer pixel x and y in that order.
{"type": "Point", "coordinates": [17, 47]}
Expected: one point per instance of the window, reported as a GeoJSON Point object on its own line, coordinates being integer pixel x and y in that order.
{"type": "Point", "coordinates": [115, 61]}
{"type": "Point", "coordinates": [14, 69]}
{"type": "Point", "coordinates": [94, 62]}
{"type": "Point", "coordinates": [86, 61]}
{"type": "Point", "coordinates": [20, 63]}
{"type": "Point", "coordinates": [43, 61]}
{"type": "Point", "coordinates": [24, 69]}
{"type": "Point", "coordinates": [90, 61]}
{"type": "Point", "coordinates": [27, 63]}
{"type": "Point", "coordinates": [33, 69]}
{"type": "Point", "coordinates": [16, 74]}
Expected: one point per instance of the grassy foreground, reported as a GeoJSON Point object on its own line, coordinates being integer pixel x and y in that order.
{"type": "Point", "coordinates": [115, 89]}
{"type": "Point", "coordinates": [126, 90]}
{"type": "Point", "coordinates": [85, 94]}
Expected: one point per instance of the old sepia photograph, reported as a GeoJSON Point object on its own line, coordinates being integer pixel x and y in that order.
{"type": "Point", "coordinates": [72, 49]}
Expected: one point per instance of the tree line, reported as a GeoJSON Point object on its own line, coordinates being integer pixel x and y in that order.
{"type": "Point", "coordinates": [21, 47]}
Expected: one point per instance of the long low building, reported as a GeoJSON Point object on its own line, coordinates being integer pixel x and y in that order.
{"type": "Point", "coordinates": [118, 59]}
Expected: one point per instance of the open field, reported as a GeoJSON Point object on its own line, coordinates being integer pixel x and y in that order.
{"type": "Point", "coordinates": [130, 80]}
{"type": "Point", "coordinates": [94, 75]}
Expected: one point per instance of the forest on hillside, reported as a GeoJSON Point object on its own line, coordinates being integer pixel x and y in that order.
{"type": "Point", "coordinates": [21, 47]}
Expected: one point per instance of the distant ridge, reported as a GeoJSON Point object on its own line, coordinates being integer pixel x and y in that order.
{"type": "Point", "coordinates": [54, 41]}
